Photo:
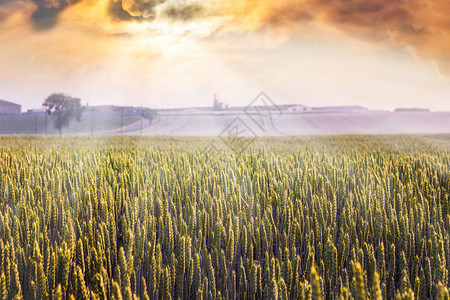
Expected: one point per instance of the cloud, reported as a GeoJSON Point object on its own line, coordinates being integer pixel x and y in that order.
{"type": "Point", "coordinates": [116, 10]}
{"type": "Point", "coordinates": [184, 12]}
{"type": "Point", "coordinates": [45, 13]}
{"type": "Point", "coordinates": [420, 25]}
{"type": "Point", "coordinates": [45, 17]}
{"type": "Point", "coordinates": [423, 26]}
{"type": "Point", "coordinates": [141, 8]}
{"type": "Point", "coordinates": [7, 7]}
{"type": "Point", "coordinates": [134, 9]}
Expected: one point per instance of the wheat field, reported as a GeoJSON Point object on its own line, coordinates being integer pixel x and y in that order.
{"type": "Point", "coordinates": [348, 217]}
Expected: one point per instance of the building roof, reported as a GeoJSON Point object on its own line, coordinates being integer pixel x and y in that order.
{"type": "Point", "coordinates": [340, 108]}
{"type": "Point", "coordinates": [5, 103]}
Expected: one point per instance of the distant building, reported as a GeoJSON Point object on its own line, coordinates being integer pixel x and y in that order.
{"type": "Point", "coordinates": [9, 108]}
{"type": "Point", "coordinates": [295, 108]}
{"type": "Point", "coordinates": [218, 105]}
{"type": "Point", "coordinates": [340, 109]}
{"type": "Point", "coordinates": [412, 109]}
{"type": "Point", "coordinates": [36, 111]}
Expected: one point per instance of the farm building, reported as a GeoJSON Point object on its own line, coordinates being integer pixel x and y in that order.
{"type": "Point", "coordinates": [296, 108]}
{"type": "Point", "coordinates": [9, 108]}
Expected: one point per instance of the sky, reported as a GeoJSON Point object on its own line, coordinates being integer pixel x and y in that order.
{"type": "Point", "coordinates": [381, 54]}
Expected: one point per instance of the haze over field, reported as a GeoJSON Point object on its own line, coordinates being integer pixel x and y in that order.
{"type": "Point", "coordinates": [303, 124]}
{"type": "Point", "coordinates": [169, 53]}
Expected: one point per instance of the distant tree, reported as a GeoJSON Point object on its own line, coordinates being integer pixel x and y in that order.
{"type": "Point", "coordinates": [64, 109]}
{"type": "Point", "coordinates": [148, 114]}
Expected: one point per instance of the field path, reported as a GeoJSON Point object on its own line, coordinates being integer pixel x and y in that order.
{"type": "Point", "coordinates": [144, 123]}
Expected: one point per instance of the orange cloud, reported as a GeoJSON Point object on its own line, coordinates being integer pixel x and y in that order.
{"type": "Point", "coordinates": [420, 25]}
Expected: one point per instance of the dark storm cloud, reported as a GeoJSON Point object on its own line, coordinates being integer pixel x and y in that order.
{"type": "Point", "coordinates": [184, 12]}
{"type": "Point", "coordinates": [46, 12]}
{"type": "Point", "coordinates": [138, 8]}
{"type": "Point", "coordinates": [45, 15]}
{"type": "Point", "coordinates": [145, 10]}
{"type": "Point", "coordinates": [118, 13]}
